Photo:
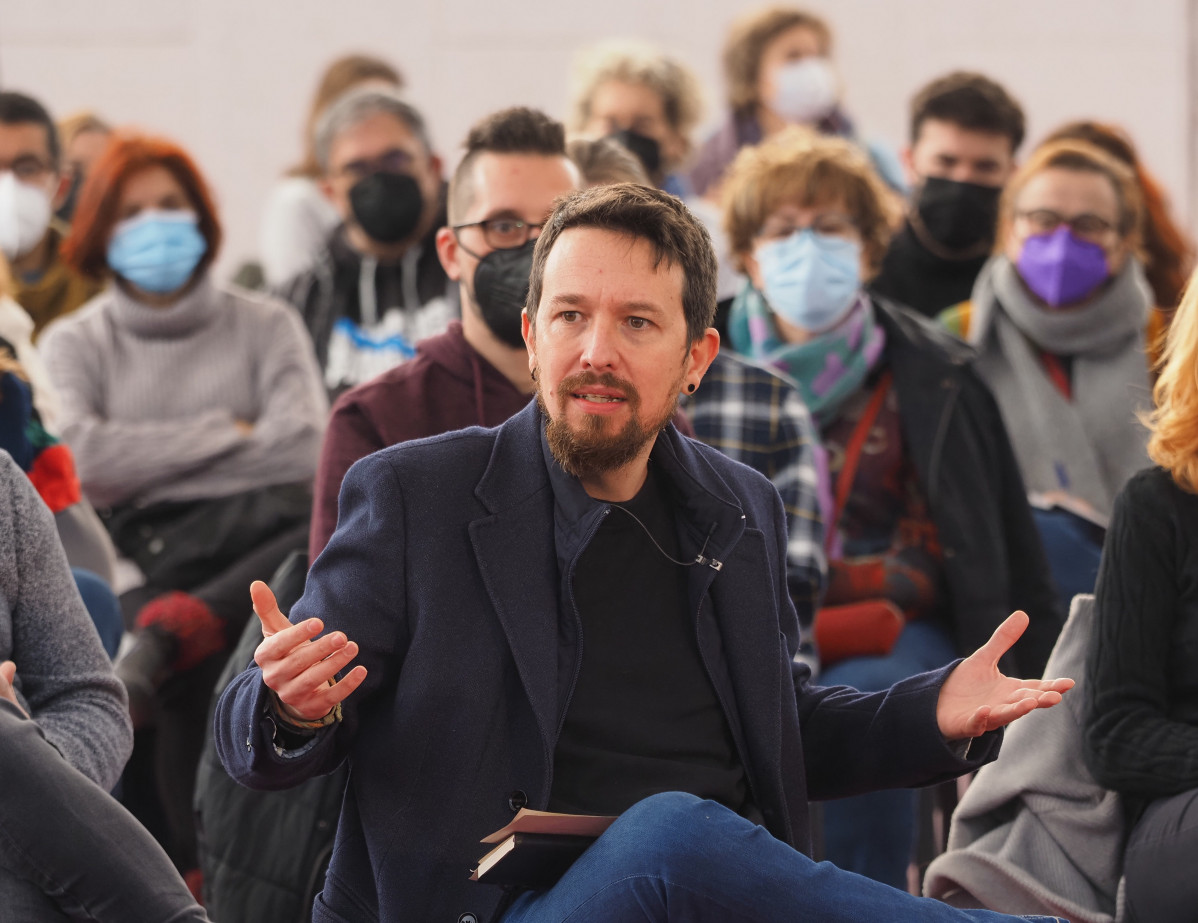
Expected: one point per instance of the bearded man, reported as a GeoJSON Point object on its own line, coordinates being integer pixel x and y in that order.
{"type": "Point", "coordinates": [583, 611]}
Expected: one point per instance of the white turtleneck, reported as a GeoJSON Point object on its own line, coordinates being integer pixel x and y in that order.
{"type": "Point", "coordinates": [150, 396]}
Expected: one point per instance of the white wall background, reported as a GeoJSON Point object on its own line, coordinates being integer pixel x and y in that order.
{"type": "Point", "coordinates": [231, 79]}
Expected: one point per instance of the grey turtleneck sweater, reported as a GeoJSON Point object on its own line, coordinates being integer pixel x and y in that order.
{"type": "Point", "coordinates": [151, 396]}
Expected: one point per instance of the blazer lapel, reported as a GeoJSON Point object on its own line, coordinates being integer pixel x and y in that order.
{"type": "Point", "coordinates": [517, 559]}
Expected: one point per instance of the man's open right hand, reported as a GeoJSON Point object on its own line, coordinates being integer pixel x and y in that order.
{"type": "Point", "coordinates": [302, 672]}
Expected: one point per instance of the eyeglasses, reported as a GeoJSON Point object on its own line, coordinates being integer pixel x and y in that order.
{"type": "Point", "coordinates": [393, 161]}
{"type": "Point", "coordinates": [831, 225]}
{"type": "Point", "coordinates": [1086, 226]}
{"type": "Point", "coordinates": [503, 233]}
{"type": "Point", "coordinates": [27, 169]}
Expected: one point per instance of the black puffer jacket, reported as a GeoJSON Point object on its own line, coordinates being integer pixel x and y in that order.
{"type": "Point", "coordinates": [954, 433]}
{"type": "Point", "coordinates": [264, 854]}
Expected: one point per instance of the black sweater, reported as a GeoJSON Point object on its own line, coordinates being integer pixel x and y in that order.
{"type": "Point", "coordinates": [1141, 716]}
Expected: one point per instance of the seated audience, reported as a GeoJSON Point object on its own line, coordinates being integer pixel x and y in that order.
{"type": "Point", "coordinates": [965, 131]}
{"type": "Point", "coordinates": [194, 413]}
{"type": "Point", "coordinates": [476, 373]}
{"type": "Point", "coordinates": [83, 136]}
{"type": "Point", "coordinates": [930, 540]}
{"type": "Point", "coordinates": [31, 187]}
{"type": "Point", "coordinates": [1058, 319]}
{"type": "Point", "coordinates": [603, 161]}
{"type": "Point", "coordinates": [617, 593]}
{"type": "Point", "coordinates": [778, 71]}
{"type": "Point", "coordinates": [1141, 719]}
{"type": "Point", "coordinates": [68, 851]}
{"type": "Point", "coordinates": [1168, 251]}
{"type": "Point", "coordinates": [378, 287]}
{"type": "Point", "coordinates": [298, 217]}
{"type": "Point", "coordinates": [647, 101]}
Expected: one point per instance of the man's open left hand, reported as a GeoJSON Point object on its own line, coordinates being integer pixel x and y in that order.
{"type": "Point", "coordinates": [977, 698]}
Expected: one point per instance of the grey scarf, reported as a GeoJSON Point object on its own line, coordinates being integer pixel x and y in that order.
{"type": "Point", "coordinates": [1090, 445]}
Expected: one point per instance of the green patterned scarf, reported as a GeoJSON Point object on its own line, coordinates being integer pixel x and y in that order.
{"type": "Point", "coordinates": [828, 369]}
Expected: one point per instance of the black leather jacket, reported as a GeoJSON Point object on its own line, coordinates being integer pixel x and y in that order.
{"type": "Point", "coordinates": [993, 559]}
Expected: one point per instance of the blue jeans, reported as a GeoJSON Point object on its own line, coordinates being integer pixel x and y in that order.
{"type": "Point", "coordinates": [1073, 549]}
{"type": "Point", "coordinates": [673, 857]}
{"type": "Point", "coordinates": [873, 835]}
{"type": "Point", "coordinates": [102, 605]}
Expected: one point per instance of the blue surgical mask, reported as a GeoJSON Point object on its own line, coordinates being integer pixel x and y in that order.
{"type": "Point", "coordinates": [810, 279]}
{"type": "Point", "coordinates": [157, 250]}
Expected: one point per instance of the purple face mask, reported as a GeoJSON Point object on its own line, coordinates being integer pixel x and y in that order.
{"type": "Point", "coordinates": [1061, 269]}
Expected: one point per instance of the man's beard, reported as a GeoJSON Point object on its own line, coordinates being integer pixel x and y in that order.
{"type": "Point", "coordinates": [587, 451]}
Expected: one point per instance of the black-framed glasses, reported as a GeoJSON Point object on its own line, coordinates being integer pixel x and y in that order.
{"type": "Point", "coordinates": [1087, 225]}
{"type": "Point", "coordinates": [502, 233]}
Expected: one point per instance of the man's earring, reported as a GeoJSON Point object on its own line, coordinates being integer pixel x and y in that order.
{"type": "Point", "coordinates": [534, 373]}
{"type": "Point", "coordinates": [690, 389]}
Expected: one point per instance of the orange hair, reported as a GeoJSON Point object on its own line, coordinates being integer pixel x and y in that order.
{"type": "Point", "coordinates": [86, 247]}
{"type": "Point", "coordinates": [1174, 422]}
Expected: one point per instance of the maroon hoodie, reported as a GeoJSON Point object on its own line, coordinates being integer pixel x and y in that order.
{"type": "Point", "coordinates": [447, 386]}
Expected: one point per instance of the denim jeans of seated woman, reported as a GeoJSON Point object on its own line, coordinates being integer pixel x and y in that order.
{"type": "Point", "coordinates": [674, 857]}
{"type": "Point", "coordinates": [874, 834]}
{"type": "Point", "coordinates": [68, 851]}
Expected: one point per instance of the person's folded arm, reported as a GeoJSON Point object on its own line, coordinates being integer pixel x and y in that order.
{"type": "Point", "coordinates": [118, 459]}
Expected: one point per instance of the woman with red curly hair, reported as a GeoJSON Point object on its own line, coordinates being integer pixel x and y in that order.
{"type": "Point", "coordinates": [195, 413]}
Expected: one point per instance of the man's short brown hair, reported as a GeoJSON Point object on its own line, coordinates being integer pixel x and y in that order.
{"type": "Point", "coordinates": [518, 130]}
{"type": "Point", "coordinates": [747, 40]}
{"type": "Point", "coordinates": [639, 212]}
{"type": "Point", "coordinates": [970, 101]}
{"type": "Point", "coordinates": [797, 165]}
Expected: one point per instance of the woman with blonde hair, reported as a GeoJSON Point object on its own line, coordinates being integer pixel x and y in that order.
{"type": "Point", "coordinates": [1141, 692]}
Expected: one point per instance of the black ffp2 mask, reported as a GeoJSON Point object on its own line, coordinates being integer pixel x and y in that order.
{"type": "Point", "coordinates": [644, 148]}
{"type": "Point", "coordinates": [958, 216]}
{"type": "Point", "coordinates": [387, 206]}
{"type": "Point", "coordinates": [501, 289]}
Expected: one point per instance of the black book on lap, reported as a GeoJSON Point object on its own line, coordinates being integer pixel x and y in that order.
{"type": "Point", "coordinates": [531, 860]}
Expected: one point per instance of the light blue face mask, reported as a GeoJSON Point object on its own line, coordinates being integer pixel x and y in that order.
{"type": "Point", "coordinates": [157, 250]}
{"type": "Point", "coordinates": [810, 279]}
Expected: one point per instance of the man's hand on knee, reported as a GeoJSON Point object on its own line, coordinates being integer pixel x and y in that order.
{"type": "Point", "coordinates": [300, 671]}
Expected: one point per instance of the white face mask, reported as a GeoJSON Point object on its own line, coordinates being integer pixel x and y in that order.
{"type": "Point", "coordinates": [804, 90]}
{"type": "Point", "coordinates": [24, 215]}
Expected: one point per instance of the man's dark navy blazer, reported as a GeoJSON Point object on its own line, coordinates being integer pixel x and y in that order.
{"type": "Point", "coordinates": [444, 570]}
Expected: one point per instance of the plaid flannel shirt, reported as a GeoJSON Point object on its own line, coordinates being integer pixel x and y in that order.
{"type": "Point", "coordinates": [757, 417]}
